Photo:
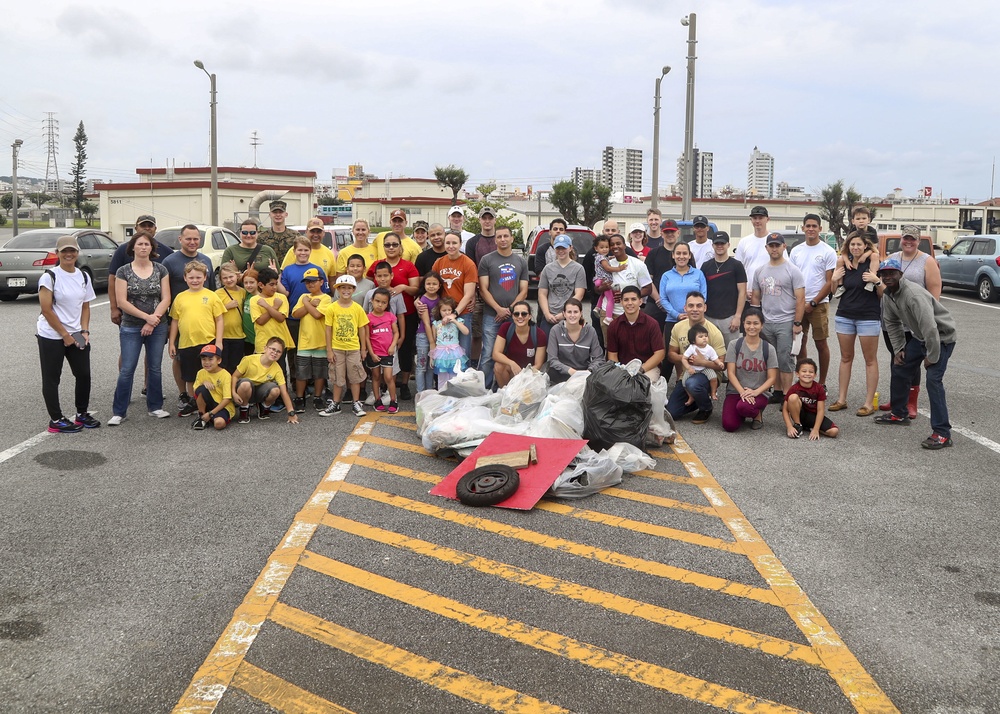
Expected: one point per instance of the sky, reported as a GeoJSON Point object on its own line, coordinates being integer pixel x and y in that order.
{"type": "Point", "coordinates": [879, 94]}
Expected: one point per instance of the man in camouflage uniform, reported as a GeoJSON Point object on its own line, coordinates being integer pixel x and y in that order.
{"type": "Point", "coordinates": [278, 236]}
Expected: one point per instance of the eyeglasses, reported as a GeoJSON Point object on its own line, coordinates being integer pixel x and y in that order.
{"type": "Point", "coordinates": [521, 314]}
{"type": "Point", "coordinates": [248, 233]}
{"type": "Point", "coordinates": [390, 245]}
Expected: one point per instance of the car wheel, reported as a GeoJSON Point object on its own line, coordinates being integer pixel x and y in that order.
{"type": "Point", "coordinates": [987, 292]}
{"type": "Point", "coordinates": [487, 485]}
{"type": "Point", "coordinates": [8, 297]}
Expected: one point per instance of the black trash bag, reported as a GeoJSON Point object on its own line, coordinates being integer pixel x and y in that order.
{"type": "Point", "coordinates": [616, 407]}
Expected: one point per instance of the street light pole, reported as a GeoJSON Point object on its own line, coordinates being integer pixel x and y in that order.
{"type": "Point", "coordinates": [656, 138]}
{"type": "Point", "coordinates": [215, 145]}
{"type": "Point", "coordinates": [16, 146]}
{"type": "Point", "coordinates": [690, 21]}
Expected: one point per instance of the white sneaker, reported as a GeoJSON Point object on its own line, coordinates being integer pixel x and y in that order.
{"type": "Point", "coordinates": [115, 420]}
{"type": "Point", "coordinates": [159, 413]}
{"type": "Point", "coordinates": [370, 401]}
{"type": "Point", "coordinates": [359, 411]}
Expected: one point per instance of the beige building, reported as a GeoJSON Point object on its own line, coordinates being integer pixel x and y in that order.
{"type": "Point", "coordinates": [423, 199]}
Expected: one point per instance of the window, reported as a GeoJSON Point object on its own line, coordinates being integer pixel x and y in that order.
{"type": "Point", "coordinates": [962, 247]}
{"type": "Point", "coordinates": [104, 242]}
{"type": "Point", "coordinates": [982, 247]}
{"type": "Point", "coordinates": [218, 240]}
{"type": "Point", "coordinates": [87, 241]}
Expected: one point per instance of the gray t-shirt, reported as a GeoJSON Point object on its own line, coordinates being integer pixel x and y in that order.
{"type": "Point", "coordinates": [561, 282]}
{"type": "Point", "coordinates": [505, 274]}
{"type": "Point", "coordinates": [777, 285]}
{"type": "Point", "coordinates": [143, 293]}
{"type": "Point", "coordinates": [751, 367]}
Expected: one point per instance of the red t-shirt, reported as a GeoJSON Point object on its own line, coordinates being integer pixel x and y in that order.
{"type": "Point", "coordinates": [456, 274]}
{"type": "Point", "coordinates": [810, 397]}
{"type": "Point", "coordinates": [521, 353]}
{"type": "Point", "coordinates": [401, 274]}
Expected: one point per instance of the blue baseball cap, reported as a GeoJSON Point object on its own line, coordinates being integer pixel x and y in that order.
{"type": "Point", "coordinates": [562, 241]}
{"type": "Point", "coordinates": [890, 264]}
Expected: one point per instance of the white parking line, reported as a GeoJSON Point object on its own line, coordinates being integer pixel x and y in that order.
{"type": "Point", "coordinates": [23, 446]}
{"type": "Point", "coordinates": [971, 302]}
{"type": "Point", "coordinates": [969, 434]}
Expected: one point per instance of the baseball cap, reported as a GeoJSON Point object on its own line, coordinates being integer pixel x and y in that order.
{"type": "Point", "coordinates": [721, 237]}
{"type": "Point", "coordinates": [562, 241]}
{"type": "Point", "coordinates": [65, 242]}
{"type": "Point", "coordinates": [774, 238]}
{"type": "Point", "coordinates": [669, 225]}
{"type": "Point", "coordinates": [278, 206]}
{"type": "Point", "coordinates": [890, 264]}
{"type": "Point", "coordinates": [212, 350]}
{"type": "Point", "coordinates": [699, 221]}
{"type": "Point", "coordinates": [421, 225]}
{"type": "Point", "coordinates": [637, 227]}
{"type": "Point", "coordinates": [145, 218]}
{"type": "Point", "coordinates": [345, 280]}
{"type": "Point", "coordinates": [487, 211]}
{"type": "Point", "coordinates": [455, 209]}
{"type": "Point", "coordinates": [313, 274]}
{"type": "Point", "coordinates": [910, 229]}
{"type": "Point", "coordinates": [398, 213]}
{"type": "Point", "coordinates": [315, 222]}
{"type": "Point", "coordinates": [758, 211]}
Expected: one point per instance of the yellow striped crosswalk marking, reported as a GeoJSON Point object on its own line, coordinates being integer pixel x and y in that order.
{"type": "Point", "coordinates": [281, 695]}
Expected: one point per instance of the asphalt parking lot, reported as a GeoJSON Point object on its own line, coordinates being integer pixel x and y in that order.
{"type": "Point", "coordinates": [307, 568]}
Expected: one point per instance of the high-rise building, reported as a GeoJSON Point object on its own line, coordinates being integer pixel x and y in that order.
{"type": "Point", "coordinates": [621, 169]}
{"type": "Point", "coordinates": [760, 175]}
{"type": "Point", "coordinates": [701, 185]}
{"type": "Point", "coordinates": [581, 174]}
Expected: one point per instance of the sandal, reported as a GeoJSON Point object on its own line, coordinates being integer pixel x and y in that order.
{"type": "Point", "coordinates": [757, 424]}
{"type": "Point", "coordinates": [866, 410]}
{"type": "Point", "coordinates": [837, 406]}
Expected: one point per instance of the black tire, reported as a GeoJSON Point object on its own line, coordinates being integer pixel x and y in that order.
{"type": "Point", "coordinates": [8, 297]}
{"type": "Point", "coordinates": [487, 485]}
{"type": "Point", "coordinates": [986, 290]}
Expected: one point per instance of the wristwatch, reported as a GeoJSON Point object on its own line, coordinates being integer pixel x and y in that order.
{"type": "Point", "coordinates": [812, 303]}
{"type": "Point", "coordinates": [797, 323]}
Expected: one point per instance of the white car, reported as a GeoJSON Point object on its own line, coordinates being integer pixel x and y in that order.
{"type": "Point", "coordinates": [214, 241]}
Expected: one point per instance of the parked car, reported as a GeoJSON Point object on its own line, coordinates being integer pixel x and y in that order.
{"type": "Point", "coordinates": [214, 241]}
{"type": "Point", "coordinates": [888, 243]}
{"type": "Point", "coordinates": [583, 240]}
{"type": "Point", "coordinates": [333, 238]}
{"type": "Point", "coordinates": [686, 230]}
{"type": "Point", "coordinates": [26, 258]}
{"type": "Point", "coordinates": [973, 263]}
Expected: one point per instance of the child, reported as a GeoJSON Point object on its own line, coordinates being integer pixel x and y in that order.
{"type": "Point", "coordinates": [310, 360]}
{"type": "Point", "coordinates": [233, 298]}
{"type": "Point", "coordinates": [860, 219]}
{"type": "Point", "coordinates": [269, 312]}
{"type": "Point", "coordinates": [397, 306]}
{"type": "Point", "coordinates": [383, 333]}
{"type": "Point", "coordinates": [447, 354]}
{"type": "Point", "coordinates": [698, 345]}
{"type": "Point", "coordinates": [805, 405]}
{"type": "Point", "coordinates": [290, 284]}
{"type": "Point", "coordinates": [197, 319]}
{"type": "Point", "coordinates": [214, 391]}
{"type": "Point", "coordinates": [347, 345]}
{"type": "Point", "coordinates": [259, 380]}
{"type": "Point", "coordinates": [356, 269]}
{"type": "Point", "coordinates": [425, 305]}
{"type": "Point", "coordinates": [602, 272]}
{"type": "Point", "coordinates": [249, 328]}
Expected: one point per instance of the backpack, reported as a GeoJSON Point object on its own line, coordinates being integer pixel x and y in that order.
{"type": "Point", "coordinates": [532, 340]}
{"type": "Point", "coordinates": [767, 347]}
{"type": "Point", "coordinates": [52, 275]}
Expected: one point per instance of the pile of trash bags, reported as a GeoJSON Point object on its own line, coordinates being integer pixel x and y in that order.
{"type": "Point", "coordinates": [615, 407]}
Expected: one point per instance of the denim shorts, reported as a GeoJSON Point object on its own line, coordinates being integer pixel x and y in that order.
{"type": "Point", "coordinates": [862, 328]}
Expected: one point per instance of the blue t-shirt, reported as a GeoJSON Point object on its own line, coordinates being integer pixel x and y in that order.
{"type": "Point", "coordinates": [120, 257]}
{"type": "Point", "coordinates": [175, 263]}
{"type": "Point", "coordinates": [291, 278]}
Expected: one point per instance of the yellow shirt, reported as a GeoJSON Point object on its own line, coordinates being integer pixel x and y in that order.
{"type": "Point", "coordinates": [321, 256]}
{"type": "Point", "coordinates": [222, 387]}
{"type": "Point", "coordinates": [251, 368]}
{"type": "Point", "coordinates": [271, 328]}
{"type": "Point", "coordinates": [312, 331]}
{"type": "Point", "coordinates": [679, 337]}
{"type": "Point", "coordinates": [232, 319]}
{"type": "Point", "coordinates": [195, 313]}
{"type": "Point", "coordinates": [345, 321]}
{"type": "Point", "coordinates": [411, 249]}
{"type": "Point", "coordinates": [369, 253]}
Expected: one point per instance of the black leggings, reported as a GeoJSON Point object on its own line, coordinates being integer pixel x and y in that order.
{"type": "Point", "coordinates": [409, 347]}
{"type": "Point", "coordinates": [51, 354]}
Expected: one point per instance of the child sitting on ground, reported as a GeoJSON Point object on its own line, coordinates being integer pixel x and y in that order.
{"type": "Point", "coordinates": [602, 272]}
{"type": "Point", "coordinates": [698, 345]}
{"type": "Point", "coordinates": [805, 405]}
{"type": "Point", "coordinates": [213, 391]}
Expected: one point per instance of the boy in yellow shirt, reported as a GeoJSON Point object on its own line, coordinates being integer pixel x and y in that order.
{"type": "Point", "coordinates": [232, 296]}
{"type": "Point", "coordinates": [213, 391]}
{"type": "Point", "coordinates": [346, 346]}
{"type": "Point", "coordinates": [196, 320]}
{"type": "Point", "coordinates": [269, 312]}
{"type": "Point", "coordinates": [259, 380]}
{"type": "Point", "coordinates": [310, 360]}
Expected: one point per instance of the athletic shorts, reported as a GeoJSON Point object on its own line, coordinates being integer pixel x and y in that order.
{"type": "Point", "coordinates": [309, 368]}
{"type": "Point", "coordinates": [809, 421]}
{"type": "Point", "coordinates": [189, 359]}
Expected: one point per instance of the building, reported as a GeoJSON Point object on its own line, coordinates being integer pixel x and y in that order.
{"type": "Point", "coordinates": [701, 185]}
{"type": "Point", "coordinates": [621, 169]}
{"type": "Point", "coordinates": [422, 199]}
{"type": "Point", "coordinates": [581, 174]}
{"type": "Point", "coordinates": [760, 175]}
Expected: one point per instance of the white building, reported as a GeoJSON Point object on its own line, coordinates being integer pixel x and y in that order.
{"type": "Point", "coordinates": [701, 185]}
{"type": "Point", "coordinates": [621, 169]}
{"type": "Point", "coordinates": [760, 175]}
{"type": "Point", "coordinates": [581, 174]}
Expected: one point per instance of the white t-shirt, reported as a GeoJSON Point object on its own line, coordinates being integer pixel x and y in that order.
{"type": "Point", "coordinates": [752, 252]}
{"type": "Point", "coordinates": [708, 352]}
{"type": "Point", "coordinates": [69, 296]}
{"type": "Point", "coordinates": [701, 252]}
{"type": "Point", "coordinates": [814, 261]}
{"type": "Point", "coordinates": [635, 273]}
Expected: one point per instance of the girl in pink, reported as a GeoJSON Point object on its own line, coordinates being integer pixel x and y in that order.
{"type": "Point", "coordinates": [384, 333]}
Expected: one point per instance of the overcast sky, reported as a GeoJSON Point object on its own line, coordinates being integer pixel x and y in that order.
{"type": "Point", "coordinates": [881, 94]}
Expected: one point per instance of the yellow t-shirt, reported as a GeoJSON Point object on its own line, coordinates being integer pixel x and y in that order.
{"type": "Point", "coordinates": [369, 253]}
{"type": "Point", "coordinates": [679, 337]}
{"type": "Point", "coordinates": [411, 249]}
{"type": "Point", "coordinates": [251, 368]}
{"type": "Point", "coordinates": [271, 328]}
{"type": "Point", "coordinates": [345, 322]}
{"type": "Point", "coordinates": [195, 313]}
{"type": "Point", "coordinates": [312, 331]}
{"type": "Point", "coordinates": [222, 387]}
{"type": "Point", "coordinates": [322, 256]}
{"type": "Point", "coordinates": [232, 319]}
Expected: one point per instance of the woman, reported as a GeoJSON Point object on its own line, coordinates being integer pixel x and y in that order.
{"type": "Point", "coordinates": [572, 345]}
{"type": "Point", "coordinates": [405, 282]}
{"type": "Point", "coordinates": [637, 241]}
{"type": "Point", "coordinates": [752, 366]}
{"type": "Point", "coordinates": [519, 343]}
{"type": "Point", "coordinates": [675, 285]}
{"type": "Point", "coordinates": [858, 314]}
{"type": "Point", "coordinates": [360, 246]}
{"type": "Point", "coordinates": [249, 253]}
{"type": "Point", "coordinates": [143, 291]}
{"type": "Point", "coordinates": [63, 331]}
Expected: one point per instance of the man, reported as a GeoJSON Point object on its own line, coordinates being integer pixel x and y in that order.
{"type": "Point", "coordinates": [456, 218]}
{"type": "Point", "coordinates": [435, 249]}
{"type": "Point", "coordinates": [279, 236]}
{"type": "Point", "coordinates": [560, 280]}
{"type": "Point", "coordinates": [544, 254]}
{"type": "Point", "coordinates": [320, 255]}
{"type": "Point", "coordinates": [634, 273]}
{"type": "Point", "coordinates": [779, 289]}
{"type": "Point", "coordinates": [503, 280]}
{"type": "Point", "coordinates": [420, 229]}
{"type": "Point", "coordinates": [751, 250]}
{"type": "Point", "coordinates": [697, 384]}
{"type": "Point", "coordinates": [635, 335]}
{"type": "Point", "coordinates": [479, 246]}
{"type": "Point", "coordinates": [727, 289]}
{"type": "Point", "coordinates": [933, 328]}
{"type": "Point", "coordinates": [654, 232]}
{"type": "Point", "coordinates": [144, 225]}
{"type": "Point", "coordinates": [397, 225]}
{"type": "Point", "coordinates": [817, 262]}
{"type": "Point", "coordinates": [659, 260]}
{"type": "Point", "coordinates": [701, 246]}
{"type": "Point", "coordinates": [248, 248]}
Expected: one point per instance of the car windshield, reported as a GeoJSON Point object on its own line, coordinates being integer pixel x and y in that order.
{"type": "Point", "coordinates": [36, 239]}
{"type": "Point", "coordinates": [892, 245]}
{"type": "Point", "coordinates": [168, 237]}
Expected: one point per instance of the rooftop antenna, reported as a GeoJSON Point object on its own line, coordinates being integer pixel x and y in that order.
{"type": "Point", "coordinates": [255, 142]}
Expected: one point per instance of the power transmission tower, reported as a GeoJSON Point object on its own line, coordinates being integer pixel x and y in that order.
{"type": "Point", "coordinates": [255, 142]}
{"type": "Point", "coordinates": [53, 184]}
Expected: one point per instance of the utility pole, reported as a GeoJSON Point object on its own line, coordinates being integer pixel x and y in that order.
{"type": "Point", "coordinates": [254, 142]}
{"type": "Point", "coordinates": [214, 140]}
{"type": "Point", "coordinates": [691, 22]}
{"type": "Point", "coordinates": [16, 146]}
{"type": "Point", "coordinates": [52, 183]}
{"type": "Point", "coordinates": [656, 138]}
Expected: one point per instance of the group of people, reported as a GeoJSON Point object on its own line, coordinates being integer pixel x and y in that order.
{"type": "Point", "coordinates": [292, 316]}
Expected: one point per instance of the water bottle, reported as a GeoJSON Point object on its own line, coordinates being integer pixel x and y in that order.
{"type": "Point", "coordinates": [875, 402]}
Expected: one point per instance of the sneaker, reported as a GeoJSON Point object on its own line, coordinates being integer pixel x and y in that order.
{"type": "Point", "coordinates": [380, 407]}
{"type": "Point", "coordinates": [87, 421]}
{"type": "Point", "coordinates": [364, 395]}
{"type": "Point", "coordinates": [318, 404]}
{"type": "Point", "coordinates": [244, 415]}
{"type": "Point", "coordinates": [159, 413]}
{"type": "Point", "coordinates": [358, 409]}
{"type": "Point", "coordinates": [839, 292]}
{"type": "Point", "coordinates": [701, 417]}
{"type": "Point", "coordinates": [777, 397]}
{"type": "Point", "coordinates": [199, 424]}
{"type": "Point", "coordinates": [404, 393]}
{"type": "Point", "coordinates": [182, 400]}
{"type": "Point", "coordinates": [62, 425]}
{"type": "Point", "coordinates": [115, 420]}
{"type": "Point", "coordinates": [278, 406]}
{"type": "Point", "coordinates": [142, 391]}
{"type": "Point", "coordinates": [393, 407]}
{"type": "Point", "coordinates": [299, 404]}
{"type": "Point", "coordinates": [332, 408]}
{"type": "Point", "coordinates": [891, 418]}
{"type": "Point", "coordinates": [799, 430]}
{"type": "Point", "coordinates": [263, 411]}
{"type": "Point", "coordinates": [935, 442]}
{"type": "Point", "coordinates": [188, 409]}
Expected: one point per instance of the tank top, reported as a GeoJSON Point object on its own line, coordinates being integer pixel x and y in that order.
{"type": "Point", "coordinates": [913, 270]}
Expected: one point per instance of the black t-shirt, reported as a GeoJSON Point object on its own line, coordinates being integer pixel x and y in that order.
{"type": "Point", "coordinates": [722, 279]}
{"type": "Point", "coordinates": [425, 261]}
{"type": "Point", "coordinates": [857, 303]}
{"type": "Point", "coordinates": [658, 261]}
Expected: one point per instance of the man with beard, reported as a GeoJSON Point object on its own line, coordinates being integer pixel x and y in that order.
{"type": "Point", "coordinates": [503, 280]}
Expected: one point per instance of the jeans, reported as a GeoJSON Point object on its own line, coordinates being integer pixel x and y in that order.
{"type": "Point", "coordinates": [132, 341]}
{"type": "Point", "coordinates": [902, 377]}
{"type": "Point", "coordinates": [490, 329]}
{"type": "Point", "coordinates": [465, 341]}
{"type": "Point", "coordinates": [699, 388]}
{"type": "Point", "coordinates": [424, 372]}
{"type": "Point", "coordinates": [51, 354]}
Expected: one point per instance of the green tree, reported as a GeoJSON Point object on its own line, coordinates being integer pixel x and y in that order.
{"type": "Point", "coordinates": [89, 210]}
{"type": "Point", "coordinates": [330, 201]}
{"type": "Point", "coordinates": [584, 205]}
{"type": "Point", "coordinates": [452, 177]}
{"type": "Point", "coordinates": [38, 198]}
{"type": "Point", "coordinates": [7, 202]}
{"type": "Point", "coordinates": [78, 170]}
{"type": "Point", "coordinates": [497, 204]}
{"type": "Point", "coordinates": [835, 205]}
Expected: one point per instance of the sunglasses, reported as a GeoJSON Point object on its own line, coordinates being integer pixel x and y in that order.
{"type": "Point", "coordinates": [521, 314]}
{"type": "Point", "coordinates": [390, 245]}
{"type": "Point", "coordinates": [248, 233]}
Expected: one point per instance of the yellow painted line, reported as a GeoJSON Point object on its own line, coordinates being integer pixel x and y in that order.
{"type": "Point", "coordinates": [662, 570]}
{"type": "Point", "coordinates": [656, 453]}
{"type": "Point", "coordinates": [435, 674]}
{"type": "Point", "coordinates": [412, 426]}
{"type": "Point", "coordinates": [397, 470]}
{"type": "Point", "coordinates": [663, 476]}
{"type": "Point", "coordinates": [582, 593]}
{"type": "Point", "coordinates": [660, 501]}
{"type": "Point", "coordinates": [281, 695]}
{"type": "Point", "coordinates": [214, 676]}
{"type": "Point", "coordinates": [402, 446]}
{"type": "Point", "coordinates": [620, 665]}
{"type": "Point", "coordinates": [845, 669]}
